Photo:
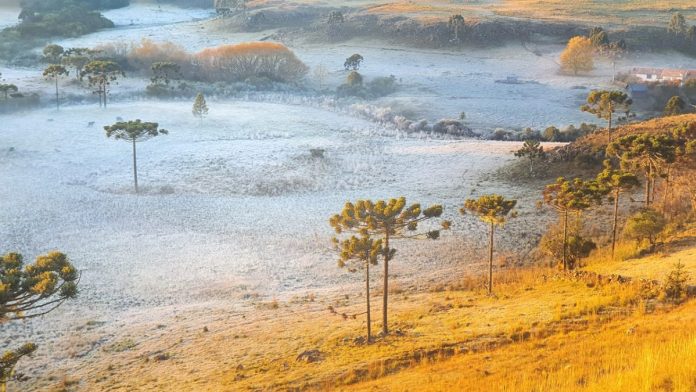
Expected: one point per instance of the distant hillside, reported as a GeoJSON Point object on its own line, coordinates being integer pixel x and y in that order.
{"type": "Point", "coordinates": [593, 145]}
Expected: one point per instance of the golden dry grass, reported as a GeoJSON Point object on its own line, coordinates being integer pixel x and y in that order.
{"type": "Point", "coordinates": [655, 352]}
{"type": "Point", "coordinates": [258, 348]}
{"type": "Point", "coordinates": [543, 331]}
{"type": "Point", "coordinates": [599, 12]}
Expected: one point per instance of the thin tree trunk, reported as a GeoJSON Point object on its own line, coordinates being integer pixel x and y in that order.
{"type": "Point", "coordinates": [565, 240]}
{"type": "Point", "coordinates": [647, 188]}
{"type": "Point", "coordinates": [135, 168]}
{"type": "Point", "coordinates": [57, 97]}
{"type": "Point", "coordinates": [367, 291]}
{"type": "Point", "coordinates": [490, 260]}
{"type": "Point", "coordinates": [616, 221]}
{"type": "Point", "coordinates": [385, 296]}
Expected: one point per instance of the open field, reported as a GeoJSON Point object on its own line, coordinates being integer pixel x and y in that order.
{"type": "Point", "coordinates": [585, 335]}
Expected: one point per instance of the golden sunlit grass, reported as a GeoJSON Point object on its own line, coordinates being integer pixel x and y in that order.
{"type": "Point", "coordinates": [222, 351]}
{"type": "Point", "coordinates": [655, 352]}
{"type": "Point", "coordinates": [542, 331]}
{"type": "Point", "coordinates": [642, 12]}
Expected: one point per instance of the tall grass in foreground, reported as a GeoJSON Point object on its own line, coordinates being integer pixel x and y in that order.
{"type": "Point", "coordinates": [635, 365]}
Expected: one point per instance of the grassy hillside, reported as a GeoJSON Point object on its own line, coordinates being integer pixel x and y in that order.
{"type": "Point", "coordinates": [543, 330]}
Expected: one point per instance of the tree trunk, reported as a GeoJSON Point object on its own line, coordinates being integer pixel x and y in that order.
{"type": "Point", "coordinates": [57, 97]}
{"type": "Point", "coordinates": [367, 291]}
{"type": "Point", "coordinates": [611, 110]}
{"type": "Point", "coordinates": [135, 168]}
{"type": "Point", "coordinates": [490, 260]}
{"type": "Point", "coordinates": [647, 188]}
{"type": "Point", "coordinates": [385, 296]}
{"type": "Point", "coordinates": [104, 91]}
{"type": "Point", "coordinates": [565, 240]}
{"type": "Point", "coordinates": [616, 221]}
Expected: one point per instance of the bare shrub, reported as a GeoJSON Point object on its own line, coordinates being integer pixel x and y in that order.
{"type": "Point", "coordinates": [252, 59]}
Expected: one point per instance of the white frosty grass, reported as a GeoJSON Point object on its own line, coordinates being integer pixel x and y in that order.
{"type": "Point", "coordinates": [231, 202]}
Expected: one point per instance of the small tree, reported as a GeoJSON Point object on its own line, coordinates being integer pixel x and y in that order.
{"type": "Point", "coordinates": [675, 106]}
{"type": "Point", "coordinates": [616, 182]}
{"type": "Point", "coordinates": [363, 251]}
{"type": "Point", "coordinates": [353, 62]}
{"type": "Point", "coordinates": [598, 37]}
{"type": "Point", "coordinates": [613, 52]}
{"type": "Point", "coordinates": [676, 284]}
{"type": "Point", "coordinates": [320, 74]}
{"type": "Point", "coordinates": [575, 246]}
{"type": "Point", "coordinates": [645, 224]}
{"type": "Point", "coordinates": [200, 107]}
{"type": "Point", "coordinates": [31, 291]}
{"type": "Point", "coordinates": [578, 56]}
{"type": "Point", "coordinates": [604, 104]}
{"type": "Point", "coordinates": [493, 210]}
{"type": "Point", "coordinates": [646, 152]}
{"type": "Point", "coordinates": [532, 150]}
{"type": "Point", "coordinates": [9, 360]}
{"type": "Point", "coordinates": [134, 132]}
{"type": "Point", "coordinates": [53, 53]}
{"type": "Point", "coordinates": [571, 196]}
{"type": "Point", "coordinates": [552, 134]}
{"type": "Point", "coordinates": [164, 72]}
{"type": "Point", "coordinates": [100, 75]}
{"type": "Point", "coordinates": [54, 72]}
{"type": "Point", "coordinates": [677, 24]}
{"type": "Point", "coordinates": [456, 25]}
{"type": "Point", "coordinates": [387, 220]}
{"type": "Point", "coordinates": [7, 88]}
{"type": "Point", "coordinates": [77, 58]}
{"type": "Point", "coordinates": [335, 17]}
{"type": "Point", "coordinates": [354, 79]}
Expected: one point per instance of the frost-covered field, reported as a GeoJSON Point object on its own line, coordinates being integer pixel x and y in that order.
{"type": "Point", "coordinates": [230, 205]}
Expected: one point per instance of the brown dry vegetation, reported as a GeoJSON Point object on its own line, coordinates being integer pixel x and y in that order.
{"type": "Point", "coordinates": [462, 338]}
{"type": "Point", "coordinates": [593, 12]}
{"type": "Point", "coordinates": [236, 62]}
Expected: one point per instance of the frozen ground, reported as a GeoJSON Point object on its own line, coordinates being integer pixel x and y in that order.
{"type": "Point", "coordinates": [231, 204]}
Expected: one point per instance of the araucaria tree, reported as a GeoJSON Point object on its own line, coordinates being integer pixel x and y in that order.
{"type": "Point", "coordinates": [360, 252]}
{"type": "Point", "coordinates": [456, 25]}
{"type": "Point", "coordinates": [353, 62]}
{"type": "Point", "coordinates": [646, 152]}
{"type": "Point", "coordinates": [31, 291]}
{"type": "Point", "coordinates": [615, 182]}
{"type": "Point", "coordinates": [6, 89]}
{"type": "Point", "coordinates": [604, 104]}
{"type": "Point", "coordinates": [100, 74]}
{"type": "Point", "coordinates": [386, 221]}
{"type": "Point", "coordinates": [571, 196]}
{"type": "Point", "coordinates": [55, 71]}
{"type": "Point", "coordinates": [675, 106]}
{"type": "Point", "coordinates": [578, 56]}
{"type": "Point", "coordinates": [532, 150]}
{"type": "Point", "coordinates": [200, 107]}
{"type": "Point", "coordinates": [493, 210]}
{"type": "Point", "coordinates": [134, 132]}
